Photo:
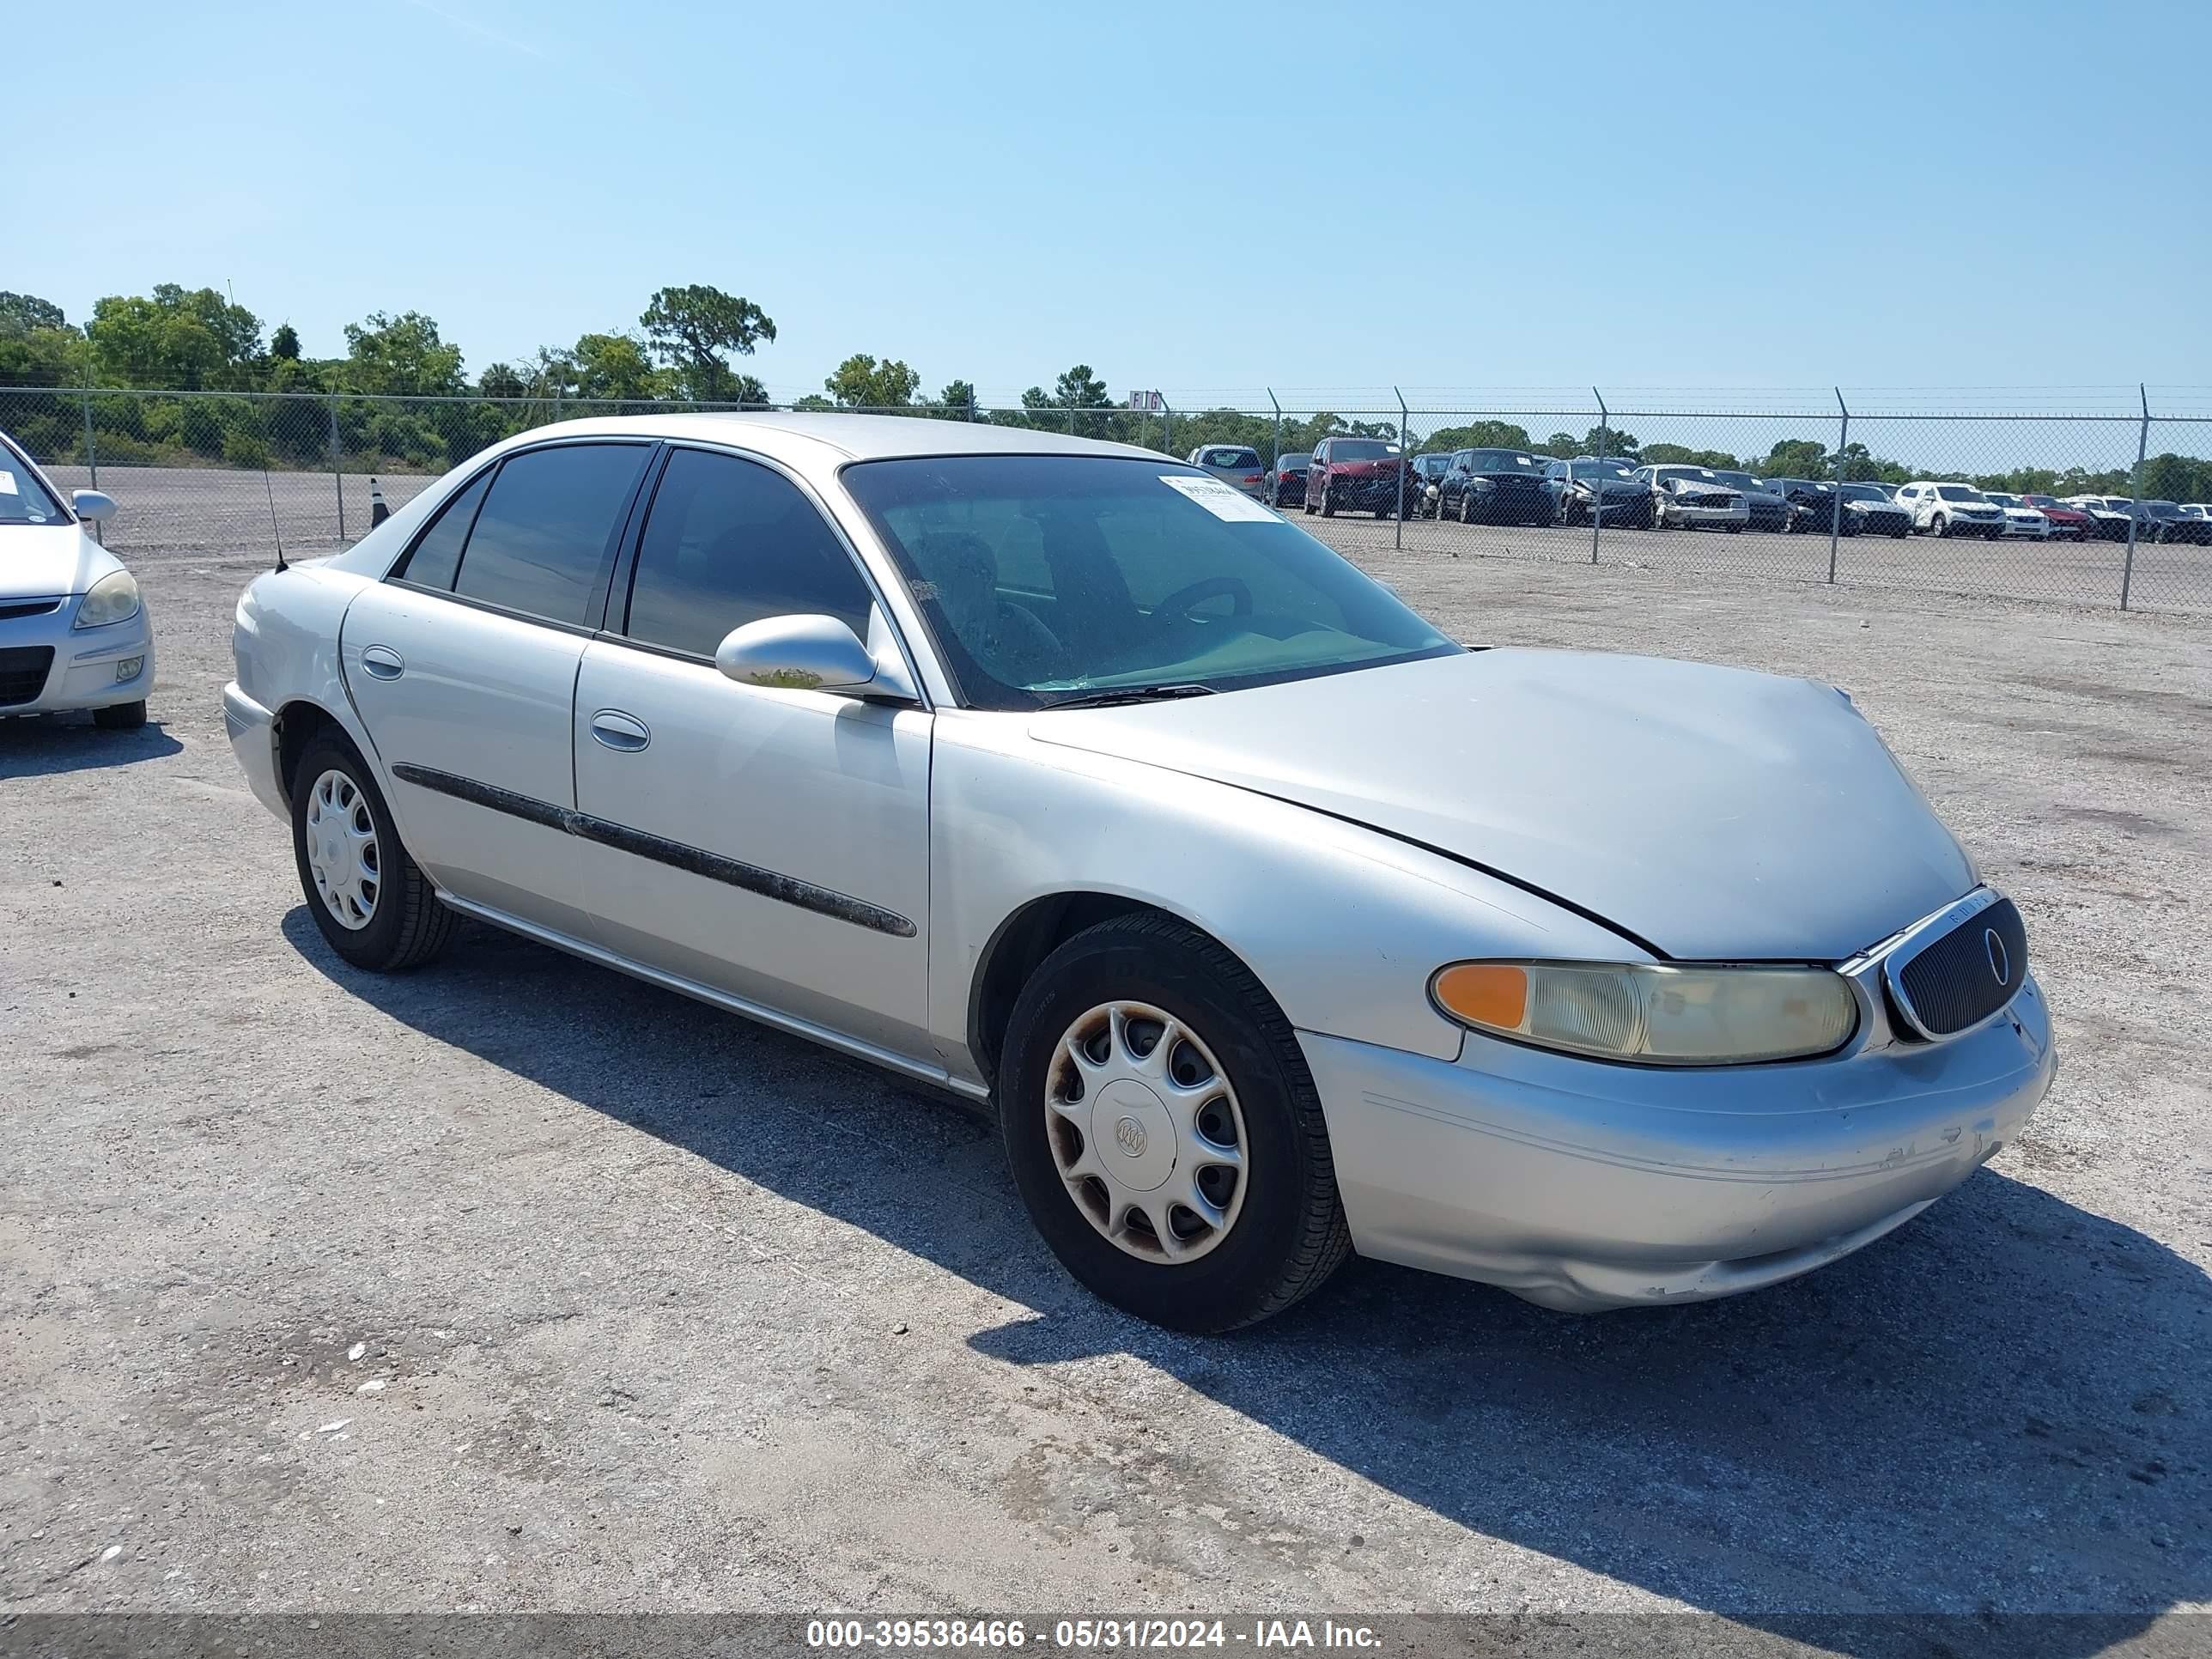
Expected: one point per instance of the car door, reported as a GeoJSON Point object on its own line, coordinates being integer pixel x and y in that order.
{"type": "Point", "coordinates": [768, 843]}
{"type": "Point", "coordinates": [463, 666]}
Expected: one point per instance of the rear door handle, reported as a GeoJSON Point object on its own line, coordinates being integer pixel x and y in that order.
{"type": "Point", "coordinates": [618, 731]}
{"type": "Point", "coordinates": [382, 662]}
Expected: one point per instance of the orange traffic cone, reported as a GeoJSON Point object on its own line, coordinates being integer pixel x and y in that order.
{"type": "Point", "coordinates": [378, 512]}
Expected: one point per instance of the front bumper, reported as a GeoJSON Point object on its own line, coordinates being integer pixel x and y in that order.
{"type": "Point", "coordinates": [80, 673]}
{"type": "Point", "coordinates": [252, 731]}
{"type": "Point", "coordinates": [2038, 529]}
{"type": "Point", "coordinates": [1581, 1185]}
{"type": "Point", "coordinates": [1695, 518]}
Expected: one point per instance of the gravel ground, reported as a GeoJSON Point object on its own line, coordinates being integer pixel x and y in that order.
{"type": "Point", "coordinates": [516, 1285]}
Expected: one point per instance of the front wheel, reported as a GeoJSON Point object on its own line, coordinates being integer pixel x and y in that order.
{"type": "Point", "coordinates": [1164, 1131]}
{"type": "Point", "coordinates": [1327, 507]}
{"type": "Point", "coordinates": [375, 906]}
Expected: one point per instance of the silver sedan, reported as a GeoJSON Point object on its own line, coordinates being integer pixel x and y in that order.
{"type": "Point", "coordinates": [1272, 923]}
{"type": "Point", "coordinates": [75, 635]}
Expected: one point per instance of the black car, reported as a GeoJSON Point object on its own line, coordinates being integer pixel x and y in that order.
{"type": "Point", "coordinates": [1494, 486]}
{"type": "Point", "coordinates": [1428, 478]}
{"type": "Point", "coordinates": [1812, 506]}
{"type": "Point", "coordinates": [1585, 485]}
{"type": "Point", "coordinates": [1283, 484]}
{"type": "Point", "coordinates": [2164, 521]}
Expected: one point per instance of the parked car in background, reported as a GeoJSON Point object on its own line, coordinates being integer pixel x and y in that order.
{"type": "Point", "coordinates": [1951, 509]}
{"type": "Point", "coordinates": [1495, 486]}
{"type": "Point", "coordinates": [1429, 472]}
{"type": "Point", "coordinates": [1582, 487]}
{"type": "Point", "coordinates": [2021, 519]}
{"type": "Point", "coordinates": [2167, 521]}
{"type": "Point", "coordinates": [2198, 509]}
{"type": "Point", "coordinates": [1270, 924]}
{"type": "Point", "coordinates": [74, 631]}
{"type": "Point", "coordinates": [1235, 465]}
{"type": "Point", "coordinates": [1286, 484]}
{"type": "Point", "coordinates": [1873, 511]}
{"type": "Point", "coordinates": [1363, 475]}
{"type": "Point", "coordinates": [1768, 510]}
{"type": "Point", "coordinates": [2067, 523]}
{"type": "Point", "coordinates": [1693, 498]}
{"type": "Point", "coordinates": [1813, 505]}
{"type": "Point", "coordinates": [2108, 515]}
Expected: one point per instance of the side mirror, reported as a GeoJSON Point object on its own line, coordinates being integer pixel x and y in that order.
{"type": "Point", "coordinates": [93, 504]}
{"type": "Point", "coordinates": [801, 654]}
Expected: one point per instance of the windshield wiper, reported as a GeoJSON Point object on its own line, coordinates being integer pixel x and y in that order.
{"type": "Point", "coordinates": [1126, 694]}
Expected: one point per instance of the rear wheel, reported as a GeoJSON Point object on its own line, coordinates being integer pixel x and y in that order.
{"type": "Point", "coordinates": [1164, 1131]}
{"type": "Point", "coordinates": [374, 907]}
{"type": "Point", "coordinates": [120, 717]}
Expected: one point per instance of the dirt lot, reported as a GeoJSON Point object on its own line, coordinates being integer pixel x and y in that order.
{"type": "Point", "coordinates": [517, 1285]}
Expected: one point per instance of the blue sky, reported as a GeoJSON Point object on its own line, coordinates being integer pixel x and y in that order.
{"type": "Point", "coordinates": [1706, 196]}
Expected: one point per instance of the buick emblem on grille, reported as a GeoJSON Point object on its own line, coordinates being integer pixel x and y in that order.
{"type": "Point", "coordinates": [1999, 960]}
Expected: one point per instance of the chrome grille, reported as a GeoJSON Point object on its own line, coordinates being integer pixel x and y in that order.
{"type": "Point", "coordinates": [1960, 967]}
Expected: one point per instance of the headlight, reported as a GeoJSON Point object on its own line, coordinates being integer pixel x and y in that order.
{"type": "Point", "coordinates": [114, 598]}
{"type": "Point", "coordinates": [1653, 1014]}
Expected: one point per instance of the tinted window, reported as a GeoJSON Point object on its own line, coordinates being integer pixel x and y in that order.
{"type": "Point", "coordinates": [1360, 449]}
{"type": "Point", "coordinates": [1232, 458]}
{"type": "Point", "coordinates": [23, 499]}
{"type": "Point", "coordinates": [437, 555]}
{"type": "Point", "coordinates": [541, 542]}
{"type": "Point", "coordinates": [728, 542]}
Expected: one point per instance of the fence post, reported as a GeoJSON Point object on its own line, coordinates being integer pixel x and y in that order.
{"type": "Point", "coordinates": [971, 405]}
{"type": "Point", "coordinates": [1275, 460]}
{"type": "Point", "coordinates": [1070, 418]}
{"type": "Point", "coordinates": [1167, 429]}
{"type": "Point", "coordinates": [338, 467]}
{"type": "Point", "coordinates": [1597, 483]}
{"type": "Point", "coordinates": [2142, 444]}
{"type": "Point", "coordinates": [1405, 461]}
{"type": "Point", "coordinates": [91, 453]}
{"type": "Point", "coordinates": [1836, 506]}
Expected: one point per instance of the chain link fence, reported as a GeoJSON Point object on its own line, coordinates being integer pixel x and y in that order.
{"type": "Point", "coordinates": [233, 473]}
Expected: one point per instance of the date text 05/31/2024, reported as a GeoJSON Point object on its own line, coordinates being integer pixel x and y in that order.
{"type": "Point", "coordinates": [988, 1635]}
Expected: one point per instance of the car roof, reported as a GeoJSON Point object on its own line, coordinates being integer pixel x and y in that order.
{"type": "Point", "coordinates": [814, 441]}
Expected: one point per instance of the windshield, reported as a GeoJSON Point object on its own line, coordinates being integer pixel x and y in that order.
{"type": "Point", "coordinates": [1361, 449]}
{"type": "Point", "coordinates": [1045, 576]}
{"type": "Point", "coordinates": [1499, 460]}
{"type": "Point", "coordinates": [2041, 501]}
{"type": "Point", "coordinates": [2162, 509]}
{"type": "Point", "coordinates": [1600, 470]}
{"type": "Point", "coordinates": [1865, 492]}
{"type": "Point", "coordinates": [1956, 493]}
{"type": "Point", "coordinates": [23, 499]}
{"type": "Point", "coordinates": [2000, 498]}
{"type": "Point", "coordinates": [1292, 462]}
{"type": "Point", "coordinates": [1743, 481]}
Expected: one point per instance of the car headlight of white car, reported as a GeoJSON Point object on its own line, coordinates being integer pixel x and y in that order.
{"type": "Point", "coordinates": [1653, 1014]}
{"type": "Point", "coordinates": [112, 599]}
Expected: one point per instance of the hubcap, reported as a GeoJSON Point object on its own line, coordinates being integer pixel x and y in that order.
{"type": "Point", "coordinates": [341, 850]}
{"type": "Point", "coordinates": [1147, 1133]}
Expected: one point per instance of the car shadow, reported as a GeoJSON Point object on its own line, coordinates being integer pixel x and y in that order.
{"type": "Point", "coordinates": [45, 745]}
{"type": "Point", "coordinates": [2000, 1413]}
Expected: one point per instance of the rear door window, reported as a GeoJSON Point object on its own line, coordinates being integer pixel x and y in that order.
{"type": "Point", "coordinates": [436, 555]}
{"type": "Point", "coordinates": [544, 538]}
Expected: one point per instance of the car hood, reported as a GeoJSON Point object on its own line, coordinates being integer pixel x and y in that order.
{"type": "Point", "coordinates": [1712, 812]}
{"type": "Point", "coordinates": [41, 561]}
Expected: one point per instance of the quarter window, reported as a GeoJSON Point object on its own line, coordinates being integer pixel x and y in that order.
{"type": "Point", "coordinates": [729, 542]}
{"type": "Point", "coordinates": [544, 539]}
{"type": "Point", "coordinates": [437, 554]}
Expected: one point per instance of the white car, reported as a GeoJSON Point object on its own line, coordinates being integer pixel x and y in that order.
{"type": "Point", "coordinates": [74, 631]}
{"type": "Point", "coordinates": [1693, 498]}
{"type": "Point", "coordinates": [1951, 509]}
{"type": "Point", "coordinates": [2021, 519]}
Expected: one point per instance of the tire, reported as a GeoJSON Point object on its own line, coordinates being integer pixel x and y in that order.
{"type": "Point", "coordinates": [1939, 525]}
{"type": "Point", "coordinates": [1327, 507]}
{"type": "Point", "coordinates": [1466, 506]}
{"type": "Point", "coordinates": [1286, 1230]}
{"type": "Point", "coordinates": [405, 925]}
{"type": "Point", "coordinates": [120, 717]}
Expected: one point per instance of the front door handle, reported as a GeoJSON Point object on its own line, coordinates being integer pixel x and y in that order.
{"type": "Point", "coordinates": [618, 731]}
{"type": "Point", "coordinates": [382, 662]}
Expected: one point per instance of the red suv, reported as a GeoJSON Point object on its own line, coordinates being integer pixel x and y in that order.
{"type": "Point", "coordinates": [1367, 475]}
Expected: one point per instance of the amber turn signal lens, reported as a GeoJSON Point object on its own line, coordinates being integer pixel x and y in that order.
{"type": "Point", "coordinates": [1492, 993]}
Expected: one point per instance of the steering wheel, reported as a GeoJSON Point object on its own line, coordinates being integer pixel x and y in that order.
{"type": "Point", "coordinates": [1184, 599]}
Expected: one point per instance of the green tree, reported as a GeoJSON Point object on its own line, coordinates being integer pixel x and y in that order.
{"type": "Point", "coordinates": [503, 380]}
{"type": "Point", "coordinates": [693, 326]}
{"type": "Point", "coordinates": [615, 365]}
{"type": "Point", "coordinates": [861, 382]}
{"type": "Point", "coordinates": [285, 344]}
{"type": "Point", "coordinates": [19, 314]}
{"type": "Point", "coordinates": [956, 402]}
{"type": "Point", "coordinates": [175, 337]}
{"type": "Point", "coordinates": [44, 357]}
{"type": "Point", "coordinates": [401, 356]}
{"type": "Point", "coordinates": [814, 403]}
{"type": "Point", "coordinates": [1480, 435]}
{"type": "Point", "coordinates": [1795, 458]}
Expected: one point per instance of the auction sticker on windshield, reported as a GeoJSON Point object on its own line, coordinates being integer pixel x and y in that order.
{"type": "Point", "coordinates": [1218, 499]}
